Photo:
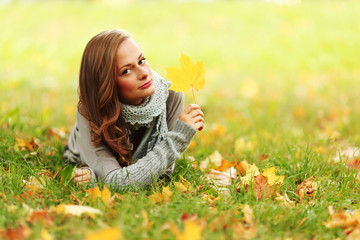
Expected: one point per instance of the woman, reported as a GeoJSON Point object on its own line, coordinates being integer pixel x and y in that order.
{"type": "Point", "coordinates": [130, 128]}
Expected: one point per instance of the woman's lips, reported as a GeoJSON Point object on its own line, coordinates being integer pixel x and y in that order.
{"type": "Point", "coordinates": [146, 85]}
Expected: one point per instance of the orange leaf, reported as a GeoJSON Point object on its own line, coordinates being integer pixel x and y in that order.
{"type": "Point", "coordinates": [225, 165]}
{"type": "Point", "coordinates": [262, 189]}
{"type": "Point", "coordinates": [21, 232]}
{"type": "Point", "coordinates": [354, 164]}
{"type": "Point", "coordinates": [22, 144]}
{"type": "Point", "coordinates": [242, 167]}
{"type": "Point", "coordinates": [42, 216]}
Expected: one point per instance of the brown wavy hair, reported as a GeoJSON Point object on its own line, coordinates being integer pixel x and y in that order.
{"type": "Point", "coordinates": [98, 94]}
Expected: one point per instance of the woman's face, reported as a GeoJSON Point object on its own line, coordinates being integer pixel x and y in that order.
{"type": "Point", "coordinates": [134, 79]}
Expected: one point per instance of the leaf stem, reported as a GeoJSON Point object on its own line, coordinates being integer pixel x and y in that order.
{"type": "Point", "coordinates": [192, 89]}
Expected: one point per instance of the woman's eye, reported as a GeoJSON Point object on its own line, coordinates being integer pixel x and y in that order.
{"type": "Point", "coordinates": [126, 71]}
{"type": "Point", "coordinates": [142, 61]}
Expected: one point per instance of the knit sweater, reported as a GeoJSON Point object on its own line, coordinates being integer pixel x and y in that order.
{"type": "Point", "coordinates": [157, 162]}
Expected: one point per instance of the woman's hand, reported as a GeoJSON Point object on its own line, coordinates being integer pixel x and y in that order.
{"type": "Point", "coordinates": [82, 176]}
{"type": "Point", "coordinates": [193, 116]}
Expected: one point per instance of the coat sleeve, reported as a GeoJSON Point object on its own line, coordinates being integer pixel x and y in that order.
{"type": "Point", "coordinates": [174, 107]}
{"type": "Point", "coordinates": [103, 163]}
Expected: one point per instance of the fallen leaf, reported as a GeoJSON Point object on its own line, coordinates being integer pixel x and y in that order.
{"type": "Point", "coordinates": [146, 223]}
{"type": "Point", "coordinates": [219, 178]}
{"type": "Point", "coordinates": [76, 210]}
{"type": "Point", "coordinates": [214, 159]}
{"type": "Point", "coordinates": [217, 130]}
{"type": "Point", "coordinates": [45, 235]}
{"type": "Point", "coordinates": [284, 201]}
{"type": "Point", "coordinates": [57, 132]}
{"type": "Point", "coordinates": [225, 165]}
{"type": "Point", "coordinates": [272, 178]}
{"type": "Point", "coordinates": [171, 227]}
{"type": "Point", "coordinates": [21, 144]}
{"type": "Point", "coordinates": [241, 167]}
{"type": "Point", "coordinates": [164, 197]}
{"type": "Point", "coordinates": [306, 189]}
{"type": "Point", "coordinates": [241, 145]}
{"type": "Point", "coordinates": [250, 174]}
{"type": "Point", "coordinates": [354, 164]}
{"type": "Point", "coordinates": [245, 229]}
{"type": "Point", "coordinates": [19, 233]}
{"type": "Point", "coordinates": [192, 231]}
{"type": "Point", "coordinates": [262, 189]}
{"type": "Point", "coordinates": [180, 187]}
{"type": "Point", "coordinates": [188, 76]}
{"type": "Point", "coordinates": [106, 233]}
{"type": "Point", "coordinates": [95, 193]}
{"type": "Point", "coordinates": [42, 216]}
{"type": "Point", "coordinates": [349, 222]}
{"type": "Point", "coordinates": [210, 199]}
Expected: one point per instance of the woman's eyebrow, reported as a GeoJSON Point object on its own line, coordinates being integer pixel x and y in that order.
{"type": "Point", "coordinates": [126, 65]}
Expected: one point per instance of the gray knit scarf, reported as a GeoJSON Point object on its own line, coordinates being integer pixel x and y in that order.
{"type": "Point", "coordinates": [152, 109]}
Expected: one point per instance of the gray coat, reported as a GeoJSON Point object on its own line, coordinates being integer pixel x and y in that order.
{"type": "Point", "coordinates": [159, 161]}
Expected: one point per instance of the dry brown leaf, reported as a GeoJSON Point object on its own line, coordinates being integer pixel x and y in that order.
{"type": "Point", "coordinates": [307, 189]}
{"type": "Point", "coordinates": [262, 189]}
{"type": "Point", "coordinates": [349, 222]}
{"type": "Point", "coordinates": [284, 201]}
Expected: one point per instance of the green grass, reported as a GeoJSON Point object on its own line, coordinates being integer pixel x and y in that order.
{"type": "Point", "coordinates": [284, 78]}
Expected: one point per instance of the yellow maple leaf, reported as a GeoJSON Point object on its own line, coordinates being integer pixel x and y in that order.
{"type": "Point", "coordinates": [165, 196]}
{"type": "Point", "coordinates": [104, 195]}
{"type": "Point", "coordinates": [180, 187]}
{"type": "Point", "coordinates": [250, 174]}
{"type": "Point", "coordinates": [107, 233]}
{"type": "Point", "coordinates": [272, 178]}
{"type": "Point", "coordinates": [192, 231]}
{"type": "Point", "coordinates": [189, 76]}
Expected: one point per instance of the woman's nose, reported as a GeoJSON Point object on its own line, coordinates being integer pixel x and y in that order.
{"type": "Point", "coordinates": [143, 73]}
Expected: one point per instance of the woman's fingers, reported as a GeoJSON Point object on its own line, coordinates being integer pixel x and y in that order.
{"type": "Point", "coordinates": [193, 116]}
{"type": "Point", "coordinates": [191, 107]}
{"type": "Point", "coordinates": [196, 112]}
{"type": "Point", "coordinates": [82, 176]}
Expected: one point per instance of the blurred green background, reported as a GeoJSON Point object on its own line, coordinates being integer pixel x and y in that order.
{"type": "Point", "coordinates": [274, 71]}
